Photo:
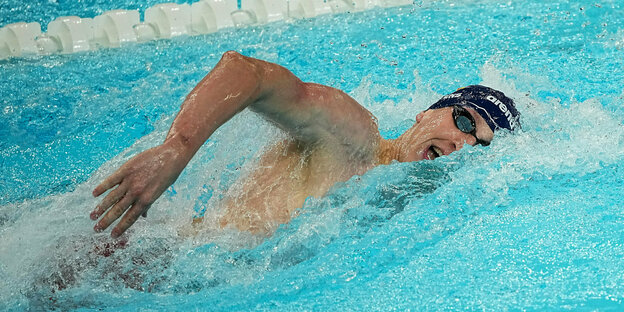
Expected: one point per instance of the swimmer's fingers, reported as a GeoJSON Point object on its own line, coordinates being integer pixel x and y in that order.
{"type": "Point", "coordinates": [108, 201]}
{"type": "Point", "coordinates": [113, 214]}
{"type": "Point", "coordinates": [129, 218]}
{"type": "Point", "coordinates": [109, 182]}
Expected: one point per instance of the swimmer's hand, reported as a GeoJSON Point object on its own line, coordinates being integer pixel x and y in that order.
{"type": "Point", "coordinates": [140, 181]}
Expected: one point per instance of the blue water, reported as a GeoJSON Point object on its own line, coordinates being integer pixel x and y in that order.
{"type": "Point", "coordinates": [535, 221]}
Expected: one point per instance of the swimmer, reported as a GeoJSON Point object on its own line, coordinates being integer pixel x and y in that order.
{"type": "Point", "coordinates": [332, 138]}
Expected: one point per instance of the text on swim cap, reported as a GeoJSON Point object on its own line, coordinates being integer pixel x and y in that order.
{"type": "Point", "coordinates": [511, 119]}
{"type": "Point", "coordinates": [451, 96]}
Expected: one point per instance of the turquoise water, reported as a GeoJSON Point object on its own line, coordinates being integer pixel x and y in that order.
{"type": "Point", "coordinates": [534, 221]}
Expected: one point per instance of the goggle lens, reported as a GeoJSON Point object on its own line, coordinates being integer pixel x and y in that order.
{"type": "Point", "coordinates": [466, 124]}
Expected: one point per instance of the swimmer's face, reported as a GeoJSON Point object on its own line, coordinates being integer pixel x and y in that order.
{"type": "Point", "coordinates": [436, 134]}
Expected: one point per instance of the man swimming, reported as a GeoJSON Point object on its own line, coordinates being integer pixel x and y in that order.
{"type": "Point", "coordinates": [332, 138]}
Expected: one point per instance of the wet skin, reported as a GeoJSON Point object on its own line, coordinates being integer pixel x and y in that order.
{"type": "Point", "coordinates": [332, 138]}
{"type": "Point", "coordinates": [289, 173]}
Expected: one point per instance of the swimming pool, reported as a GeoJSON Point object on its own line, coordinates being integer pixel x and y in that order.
{"type": "Point", "coordinates": [534, 221]}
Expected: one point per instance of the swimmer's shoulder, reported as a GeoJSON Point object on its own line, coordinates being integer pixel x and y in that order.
{"type": "Point", "coordinates": [345, 123]}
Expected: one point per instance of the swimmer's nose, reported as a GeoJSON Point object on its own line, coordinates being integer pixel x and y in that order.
{"type": "Point", "coordinates": [461, 138]}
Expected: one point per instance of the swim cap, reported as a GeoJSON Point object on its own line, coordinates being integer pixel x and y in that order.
{"type": "Point", "coordinates": [497, 109]}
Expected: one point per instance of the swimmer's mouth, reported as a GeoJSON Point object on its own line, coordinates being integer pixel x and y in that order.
{"type": "Point", "coordinates": [434, 152]}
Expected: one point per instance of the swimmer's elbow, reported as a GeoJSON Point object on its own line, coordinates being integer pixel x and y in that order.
{"type": "Point", "coordinates": [231, 55]}
{"type": "Point", "coordinates": [244, 66]}
{"type": "Point", "coordinates": [248, 64]}
{"type": "Point", "coordinates": [267, 76]}
{"type": "Point", "coordinates": [275, 88]}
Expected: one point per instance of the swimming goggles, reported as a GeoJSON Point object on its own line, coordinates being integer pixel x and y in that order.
{"type": "Point", "coordinates": [466, 123]}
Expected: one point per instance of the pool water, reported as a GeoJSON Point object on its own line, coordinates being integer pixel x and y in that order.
{"type": "Point", "coordinates": [535, 221]}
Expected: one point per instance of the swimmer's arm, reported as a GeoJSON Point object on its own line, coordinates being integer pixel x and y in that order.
{"type": "Point", "coordinates": [230, 87]}
{"type": "Point", "coordinates": [309, 112]}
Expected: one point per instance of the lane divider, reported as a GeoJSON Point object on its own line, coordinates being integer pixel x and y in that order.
{"type": "Point", "coordinates": [113, 29]}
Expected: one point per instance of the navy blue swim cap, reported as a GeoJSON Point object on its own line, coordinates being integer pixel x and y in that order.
{"type": "Point", "coordinates": [497, 109]}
